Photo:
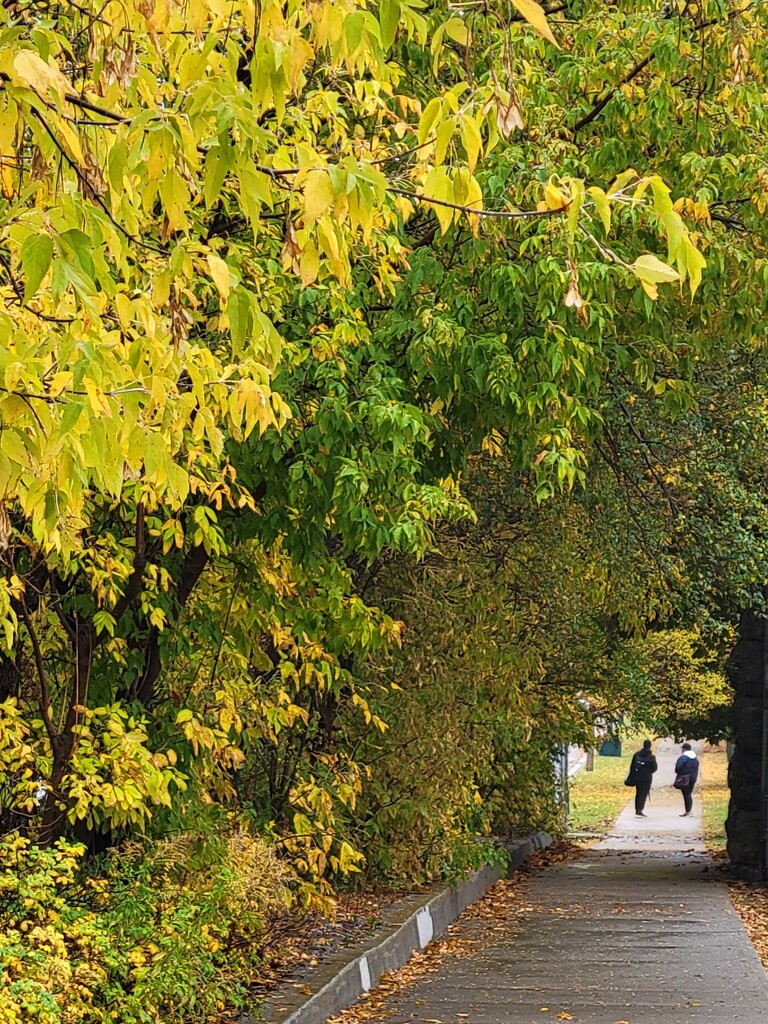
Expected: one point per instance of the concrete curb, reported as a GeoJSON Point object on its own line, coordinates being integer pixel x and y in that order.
{"type": "Point", "coordinates": [423, 919]}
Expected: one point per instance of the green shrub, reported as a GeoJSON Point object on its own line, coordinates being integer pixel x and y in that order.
{"type": "Point", "coordinates": [171, 930]}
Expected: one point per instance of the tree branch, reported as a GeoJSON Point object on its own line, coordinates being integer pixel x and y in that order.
{"type": "Point", "coordinates": [499, 214]}
{"type": "Point", "coordinates": [96, 198]}
{"type": "Point", "coordinates": [192, 569]}
{"type": "Point", "coordinates": [645, 446]}
{"type": "Point", "coordinates": [133, 586]}
{"type": "Point", "coordinates": [600, 106]}
{"type": "Point", "coordinates": [44, 702]}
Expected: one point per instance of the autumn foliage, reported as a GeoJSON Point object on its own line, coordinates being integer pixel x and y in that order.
{"type": "Point", "coordinates": [374, 376]}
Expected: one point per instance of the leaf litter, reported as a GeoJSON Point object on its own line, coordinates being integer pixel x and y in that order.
{"type": "Point", "coordinates": [503, 904]}
{"type": "Point", "coordinates": [751, 902]}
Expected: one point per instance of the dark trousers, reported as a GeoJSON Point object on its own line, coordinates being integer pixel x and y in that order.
{"type": "Point", "coordinates": [687, 797]}
{"type": "Point", "coordinates": [642, 789]}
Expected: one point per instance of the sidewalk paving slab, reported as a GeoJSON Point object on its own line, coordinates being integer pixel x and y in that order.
{"type": "Point", "coordinates": [411, 927]}
{"type": "Point", "coordinates": [638, 930]}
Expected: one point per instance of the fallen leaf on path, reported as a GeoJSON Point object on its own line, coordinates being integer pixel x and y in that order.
{"type": "Point", "coordinates": [503, 905]}
{"type": "Point", "coordinates": [751, 901]}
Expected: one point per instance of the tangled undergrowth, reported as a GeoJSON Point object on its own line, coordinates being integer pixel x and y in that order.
{"type": "Point", "coordinates": [172, 930]}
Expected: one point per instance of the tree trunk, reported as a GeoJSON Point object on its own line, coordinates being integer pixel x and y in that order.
{"type": "Point", "coordinates": [746, 672]}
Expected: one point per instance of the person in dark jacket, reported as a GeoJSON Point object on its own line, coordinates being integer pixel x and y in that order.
{"type": "Point", "coordinates": [641, 770]}
{"type": "Point", "coordinates": [687, 765]}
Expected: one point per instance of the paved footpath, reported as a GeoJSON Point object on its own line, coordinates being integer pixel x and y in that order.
{"type": "Point", "coordinates": [639, 930]}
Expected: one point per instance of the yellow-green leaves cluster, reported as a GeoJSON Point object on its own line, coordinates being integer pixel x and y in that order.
{"type": "Point", "coordinates": [571, 198]}
{"type": "Point", "coordinates": [139, 328]}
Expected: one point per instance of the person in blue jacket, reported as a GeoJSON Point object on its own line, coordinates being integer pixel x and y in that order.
{"type": "Point", "coordinates": [687, 765]}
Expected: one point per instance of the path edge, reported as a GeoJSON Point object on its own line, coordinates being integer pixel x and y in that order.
{"type": "Point", "coordinates": [426, 921]}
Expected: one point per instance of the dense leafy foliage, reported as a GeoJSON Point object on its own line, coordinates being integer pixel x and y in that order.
{"type": "Point", "coordinates": [189, 915]}
{"type": "Point", "coordinates": [373, 377]}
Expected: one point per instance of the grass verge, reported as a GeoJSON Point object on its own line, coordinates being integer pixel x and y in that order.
{"type": "Point", "coordinates": [598, 797]}
{"type": "Point", "coordinates": [715, 794]}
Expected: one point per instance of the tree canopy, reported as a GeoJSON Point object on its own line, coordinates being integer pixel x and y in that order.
{"type": "Point", "coordinates": [374, 374]}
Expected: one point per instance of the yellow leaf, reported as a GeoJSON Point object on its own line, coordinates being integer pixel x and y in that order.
{"type": "Point", "coordinates": [96, 398]}
{"type": "Point", "coordinates": [59, 381]}
{"type": "Point", "coordinates": [694, 263]}
{"type": "Point", "coordinates": [577, 198]}
{"type": "Point", "coordinates": [443, 137]}
{"type": "Point", "coordinates": [318, 194]}
{"type": "Point", "coordinates": [536, 18]}
{"type": "Point", "coordinates": [219, 272]}
{"type": "Point", "coordinates": [69, 136]}
{"type": "Point", "coordinates": [554, 198]}
{"type": "Point", "coordinates": [309, 263]}
{"type": "Point", "coordinates": [467, 192]}
{"type": "Point", "coordinates": [7, 181]}
{"type": "Point", "coordinates": [32, 71]}
{"type": "Point", "coordinates": [475, 200]}
{"type": "Point", "coordinates": [602, 206]}
{"type": "Point", "coordinates": [457, 30]}
{"type": "Point", "coordinates": [650, 289]}
{"type": "Point", "coordinates": [473, 143]}
{"type": "Point", "coordinates": [650, 269]}
{"type": "Point", "coordinates": [438, 185]}
{"type": "Point", "coordinates": [621, 182]}
{"type": "Point", "coordinates": [428, 119]}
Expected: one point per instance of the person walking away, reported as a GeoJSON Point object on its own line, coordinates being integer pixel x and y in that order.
{"type": "Point", "coordinates": [686, 773]}
{"type": "Point", "coordinates": [641, 770]}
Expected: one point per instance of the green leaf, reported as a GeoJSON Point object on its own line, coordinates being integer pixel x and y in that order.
{"type": "Point", "coordinates": [602, 206]}
{"type": "Point", "coordinates": [354, 26]}
{"type": "Point", "coordinates": [218, 161]}
{"type": "Point", "coordinates": [240, 319]}
{"type": "Point", "coordinates": [36, 254]}
{"type": "Point", "coordinates": [389, 18]}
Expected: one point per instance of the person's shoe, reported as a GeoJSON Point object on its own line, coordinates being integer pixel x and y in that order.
{"type": "Point", "coordinates": [685, 815]}
{"type": "Point", "coordinates": [639, 814]}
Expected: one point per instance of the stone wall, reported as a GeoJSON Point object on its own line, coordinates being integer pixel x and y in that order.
{"type": "Point", "coordinates": [746, 672]}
